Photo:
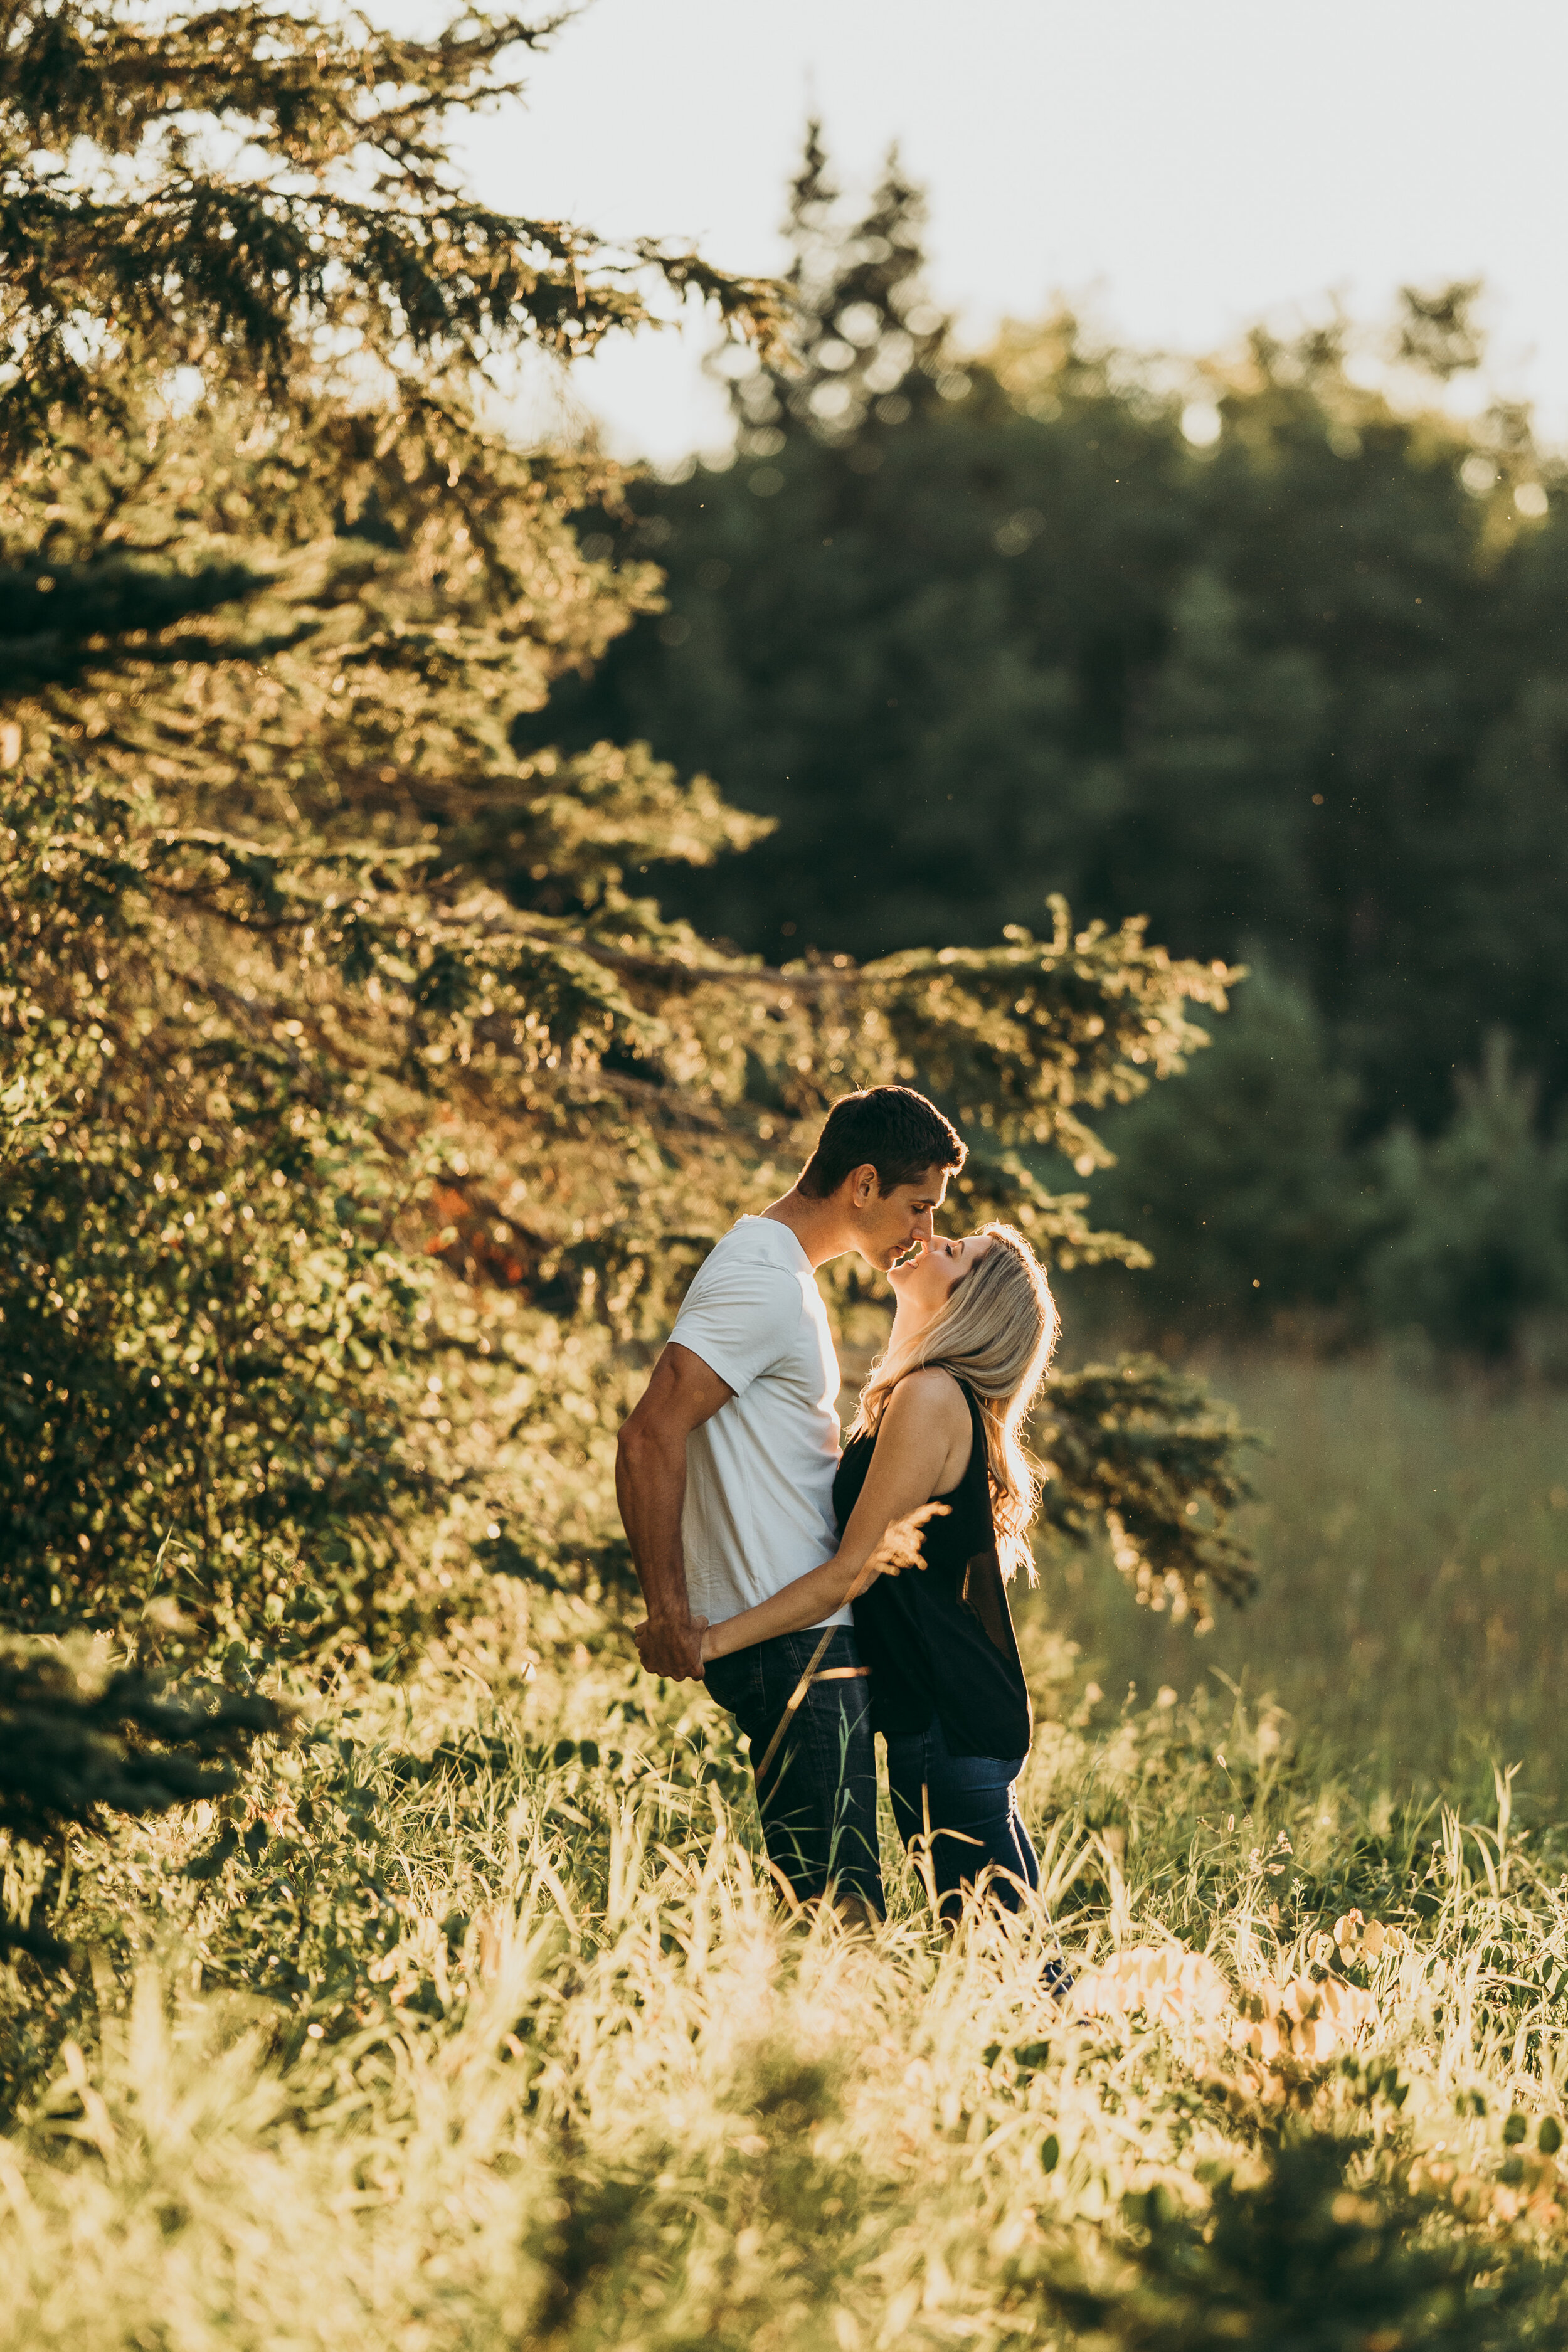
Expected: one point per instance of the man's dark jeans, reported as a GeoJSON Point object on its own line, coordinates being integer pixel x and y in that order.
{"type": "Point", "coordinates": [818, 1797]}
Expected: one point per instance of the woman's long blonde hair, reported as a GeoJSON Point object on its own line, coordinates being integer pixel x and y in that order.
{"type": "Point", "coordinates": [997, 1333]}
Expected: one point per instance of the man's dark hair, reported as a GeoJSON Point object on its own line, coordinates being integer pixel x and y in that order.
{"type": "Point", "coordinates": [889, 1129]}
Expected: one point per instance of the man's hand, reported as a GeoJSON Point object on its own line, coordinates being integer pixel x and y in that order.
{"type": "Point", "coordinates": [672, 1650]}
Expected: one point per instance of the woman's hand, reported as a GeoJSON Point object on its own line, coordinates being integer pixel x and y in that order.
{"type": "Point", "coordinates": [900, 1547]}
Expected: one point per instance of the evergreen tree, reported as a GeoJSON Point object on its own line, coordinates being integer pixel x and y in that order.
{"type": "Point", "coordinates": [321, 971]}
{"type": "Point", "coordinates": [250, 190]}
{"type": "Point", "coordinates": [864, 342]}
{"type": "Point", "coordinates": [261, 641]}
{"type": "Point", "coordinates": [1476, 1240]}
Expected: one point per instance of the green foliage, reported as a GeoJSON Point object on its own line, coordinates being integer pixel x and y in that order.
{"type": "Point", "coordinates": [1257, 1206]}
{"type": "Point", "coordinates": [1246, 1188]}
{"type": "Point", "coordinates": [861, 340]}
{"type": "Point", "coordinates": [334, 224]}
{"type": "Point", "coordinates": [1480, 1219]}
{"type": "Point", "coordinates": [322, 979]}
{"type": "Point", "coordinates": [207, 1328]}
{"type": "Point", "coordinates": [81, 1739]}
{"type": "Point", "coordinates": [318, 931]}
{"type": "Point", "coordinates": [1141, 1449]}
{"type": "Point", "coordinates": [260, 652]}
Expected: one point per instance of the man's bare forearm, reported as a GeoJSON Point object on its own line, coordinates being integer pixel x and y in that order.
{"type": "Point", "coordinates": [650, 1487]}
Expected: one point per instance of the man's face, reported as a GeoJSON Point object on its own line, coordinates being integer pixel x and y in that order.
{"type": "Point", "coordinates": [889, 1224]}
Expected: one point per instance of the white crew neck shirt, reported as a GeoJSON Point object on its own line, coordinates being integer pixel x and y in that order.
{"type": "Point", "coordinates": [759, 1474]}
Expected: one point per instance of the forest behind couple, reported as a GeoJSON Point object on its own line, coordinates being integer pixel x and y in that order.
{"type": "Point", "coordinates": [825, 1595]}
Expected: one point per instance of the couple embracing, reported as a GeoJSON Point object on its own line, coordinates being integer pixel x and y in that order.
{"type": "Point", "coordinates": [789, 1576]}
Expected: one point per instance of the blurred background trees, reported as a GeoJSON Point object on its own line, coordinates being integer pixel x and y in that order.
{"type": "Point", "coordinates": [1271, 656]}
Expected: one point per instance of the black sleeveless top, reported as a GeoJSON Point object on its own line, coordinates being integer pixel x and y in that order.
{"type": "Point", "coordinates": [939, 1640]}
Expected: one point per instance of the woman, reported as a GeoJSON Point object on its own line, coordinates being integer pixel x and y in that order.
{"type": "Point", "coordinates": [939, 1426]}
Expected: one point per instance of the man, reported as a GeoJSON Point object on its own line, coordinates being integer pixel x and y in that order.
{"type": "Point", "coordinates": [724, 1476]}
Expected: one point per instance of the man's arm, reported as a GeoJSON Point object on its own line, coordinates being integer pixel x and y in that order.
{"type": "Point", "coordinates": [650, 1487]}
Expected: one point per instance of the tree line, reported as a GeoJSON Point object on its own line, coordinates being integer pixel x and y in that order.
{"type": "Point", "coordinates": [1258, 647]}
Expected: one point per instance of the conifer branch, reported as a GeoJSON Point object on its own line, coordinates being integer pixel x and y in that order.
{"type": "Point", "coordinates": [272, 186]}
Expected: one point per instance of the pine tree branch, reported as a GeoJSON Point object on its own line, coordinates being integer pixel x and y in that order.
{"type": "Point", "coordinates": [79, 1739]}
{"type": "Point", "coordinates": [1144, 1451]}
{"type": "Point", "coordinates": [181, 257]}
{"type": "Point", "coordinates": [302, 83]}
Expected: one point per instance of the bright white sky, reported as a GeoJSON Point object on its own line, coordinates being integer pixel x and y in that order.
{"type": "Point", "coordinates": [1188, 165]}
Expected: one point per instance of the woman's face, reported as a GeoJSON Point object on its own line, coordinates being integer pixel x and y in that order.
{"type": "Point", "coordinates": [922, 1283]}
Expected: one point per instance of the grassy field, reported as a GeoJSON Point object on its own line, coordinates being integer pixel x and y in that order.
{"type": "Point", "coordinates": [484, 2031]}
{"type": "Point", "coordinates": [1413, 1609]}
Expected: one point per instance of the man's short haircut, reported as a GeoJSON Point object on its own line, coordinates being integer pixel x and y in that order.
{"type": "Point", "coordinates": [889, 1129]}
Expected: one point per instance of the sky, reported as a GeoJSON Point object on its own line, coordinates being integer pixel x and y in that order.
{"type": "Point", "coordinates": [1183, 167]}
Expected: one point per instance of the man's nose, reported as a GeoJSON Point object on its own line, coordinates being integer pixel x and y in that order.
{"type": "Point", "coordinates": [925, 1226]}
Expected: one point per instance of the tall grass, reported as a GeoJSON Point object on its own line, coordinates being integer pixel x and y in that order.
{"type": "Point", "coordinates": [1413, 1611]}
{"type": "Point", "coordinates": [478, 2025]}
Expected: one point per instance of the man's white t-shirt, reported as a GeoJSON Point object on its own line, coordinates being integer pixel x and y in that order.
{"type": "Point", "coordinates": [759, 1472]}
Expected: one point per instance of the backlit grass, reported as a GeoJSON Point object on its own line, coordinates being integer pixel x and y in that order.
{"type": "Point", "coordinates": [1412, 1610]}
{"type": "Point", "coordinates": [481, 2028]}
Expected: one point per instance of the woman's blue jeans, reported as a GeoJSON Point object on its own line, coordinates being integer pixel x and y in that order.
{"type": "Point", "coordinates": [970, 1805]}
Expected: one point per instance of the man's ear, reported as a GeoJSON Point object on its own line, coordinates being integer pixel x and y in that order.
{"type": "Point", "coordinates": [864, 1187]}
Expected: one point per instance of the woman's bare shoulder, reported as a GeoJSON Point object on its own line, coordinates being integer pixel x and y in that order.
{"type": "Point", "coordinates": [931, 1396]}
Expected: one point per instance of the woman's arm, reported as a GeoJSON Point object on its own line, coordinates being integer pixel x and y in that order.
{"type": "Point", "coordinates": [922, 1449]}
